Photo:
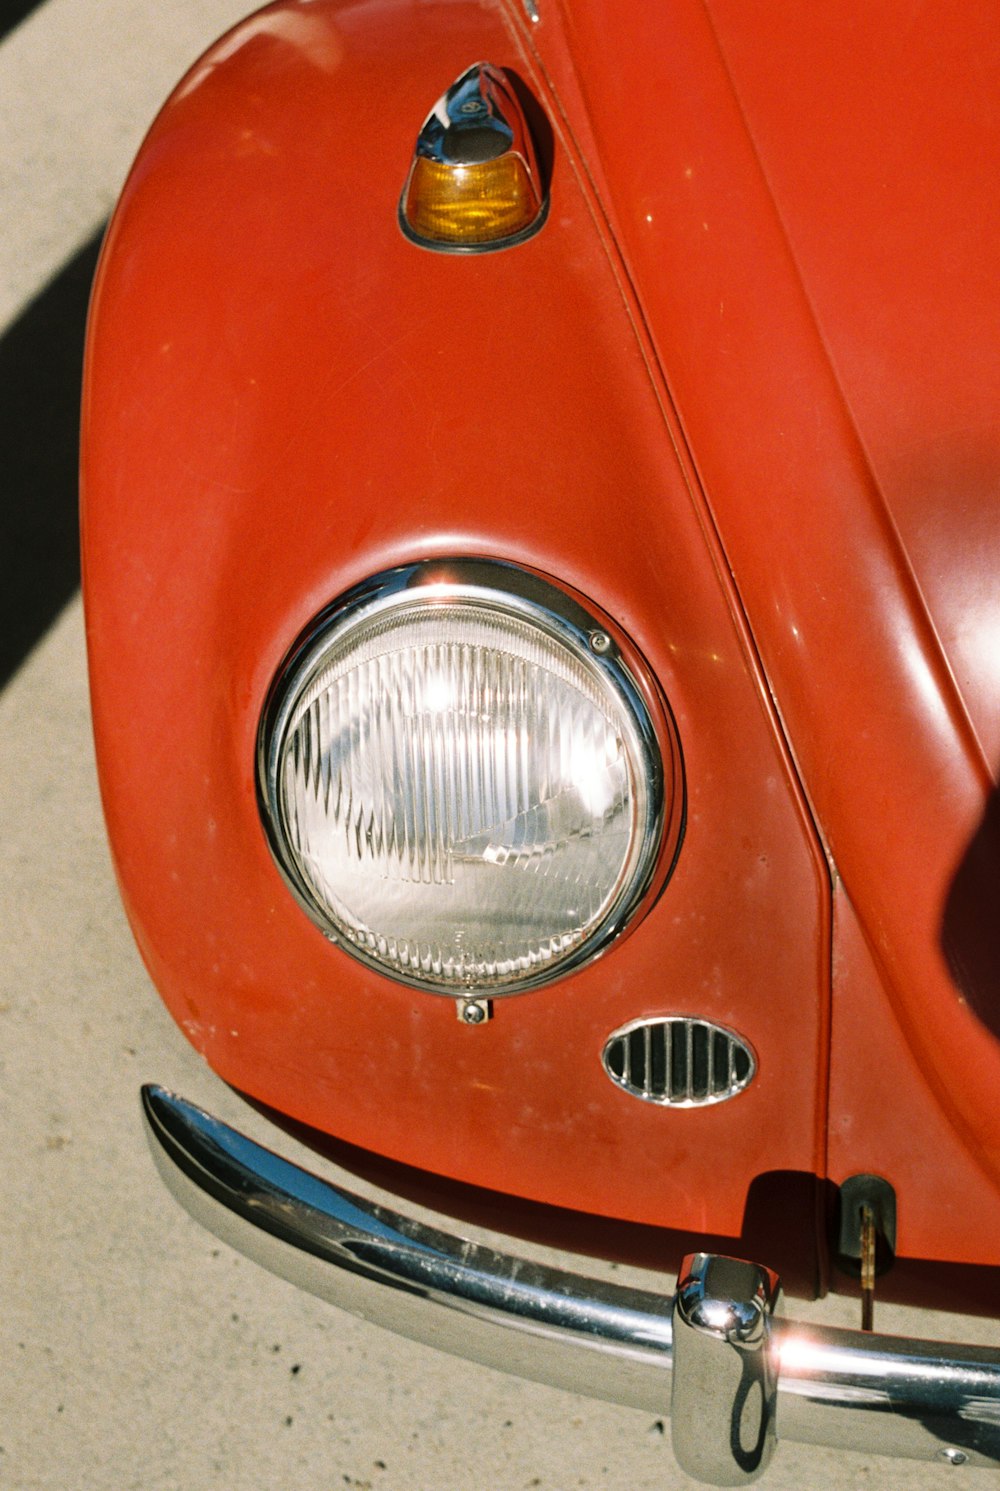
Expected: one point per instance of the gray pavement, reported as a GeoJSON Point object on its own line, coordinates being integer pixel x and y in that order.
{"type": "Point", "coordinates": [80, 81]}
{"type": "Point", "coordinates": [135, 1350]}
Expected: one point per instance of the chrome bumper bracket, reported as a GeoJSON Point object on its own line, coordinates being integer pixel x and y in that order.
{"type": "Point", "coordinates": [737, 1376]}
{"type": "Point", "coordinates": [725, 1387]}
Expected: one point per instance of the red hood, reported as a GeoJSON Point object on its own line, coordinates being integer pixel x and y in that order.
{"type": "Point", "coordinates": [873, 133]}
{"type": "Point", "coordinates": [805, 202]}
{"type": "Point", "coordinates": [878, 132]}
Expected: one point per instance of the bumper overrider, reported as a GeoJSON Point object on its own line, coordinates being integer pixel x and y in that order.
{"type": "Point", "coordinates": [731, 1373]}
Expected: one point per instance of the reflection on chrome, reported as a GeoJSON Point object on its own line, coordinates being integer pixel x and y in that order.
{"type": "Point", "coordinates": [460, 787]}
{"type": "Point", "coordinates": [725, 1376]}
{"type": "Point", "coordinates": [878, 1394]}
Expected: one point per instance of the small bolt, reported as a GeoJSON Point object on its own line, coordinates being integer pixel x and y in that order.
{"type": "Point", "coordinates": [952, 1456]}
{"type": "Point", "coordinates": [473, 106]}
{"type": "Point", "coordinates": [600, 643]}
{"type": "Point", "coordinates": [474, 1011]}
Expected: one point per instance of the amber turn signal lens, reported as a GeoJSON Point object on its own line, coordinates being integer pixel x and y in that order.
{"type": "Point", "coordinates": [474, 204]}
{"type": "Point", "coordinates": [474, 183]}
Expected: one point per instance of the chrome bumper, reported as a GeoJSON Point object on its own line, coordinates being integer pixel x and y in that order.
{"type": "Point", "coordinates": [732, 1374]}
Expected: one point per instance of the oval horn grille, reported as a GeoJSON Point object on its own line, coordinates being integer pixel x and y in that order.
{"type": "Point", "coordinates": [678, 1061]}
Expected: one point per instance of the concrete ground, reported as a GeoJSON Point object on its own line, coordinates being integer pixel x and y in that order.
{"type": "Point", "coordinates": [136, 1351]}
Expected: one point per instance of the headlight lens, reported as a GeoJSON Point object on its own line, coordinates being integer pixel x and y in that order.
{"type": "Point", "coordinates": [461, 779]}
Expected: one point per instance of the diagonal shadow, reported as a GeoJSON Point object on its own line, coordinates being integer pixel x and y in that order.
{"type": "Point", "coordinates": [13, 12]}
{"type": "Point", "coordinates": [41, 357]}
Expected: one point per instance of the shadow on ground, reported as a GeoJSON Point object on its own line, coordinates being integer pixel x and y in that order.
{"type": "Point", "coordinates": [41, 357]}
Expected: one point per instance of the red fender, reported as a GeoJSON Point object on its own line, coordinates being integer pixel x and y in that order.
{"type": "Point", "coordinates": [283, 397]}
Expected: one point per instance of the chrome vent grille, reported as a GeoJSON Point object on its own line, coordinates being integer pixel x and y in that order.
{"type": "Point", "coordinates": [679, 1061]}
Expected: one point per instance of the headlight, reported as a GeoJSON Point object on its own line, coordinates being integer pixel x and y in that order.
{"type": "Point", "coordinates": [462, 781]}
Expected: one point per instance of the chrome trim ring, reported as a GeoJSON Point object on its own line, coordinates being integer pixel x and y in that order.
{"type": "Point", "coordinates": [504, 589]}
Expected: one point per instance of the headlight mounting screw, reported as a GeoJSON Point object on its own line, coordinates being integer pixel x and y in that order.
{"type": "Point", "coordinates": [475, 1011]}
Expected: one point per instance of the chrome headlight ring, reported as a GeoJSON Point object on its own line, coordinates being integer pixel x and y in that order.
{"type": "Point", "coordinates": [465, 781]}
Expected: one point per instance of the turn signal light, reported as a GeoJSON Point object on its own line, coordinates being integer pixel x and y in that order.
{"type": "Point", "coordinates": [474, 184]}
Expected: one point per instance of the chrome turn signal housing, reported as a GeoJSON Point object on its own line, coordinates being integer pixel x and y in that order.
{"type": "Point", "coordinates": [474, 184]}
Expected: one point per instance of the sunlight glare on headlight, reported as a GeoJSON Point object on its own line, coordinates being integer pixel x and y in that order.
{"type": "Point", "coordinates": [457, 788]}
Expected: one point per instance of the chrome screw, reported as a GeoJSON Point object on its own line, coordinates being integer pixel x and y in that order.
{"type": "Point", "coordinates": [952, 1456]}
{"type": "Point", "coordinates": [474, 1011]}
{"type": "Point", "coordinates": [600, 643]}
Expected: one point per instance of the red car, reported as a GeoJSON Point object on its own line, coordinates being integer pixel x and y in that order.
{"type": "Point", "coordinates": [540, 556]}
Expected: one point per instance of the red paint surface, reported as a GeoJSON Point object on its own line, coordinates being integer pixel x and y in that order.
{"type": "Point", "coordinates": [285, 397]}
{"type": "Point", "coordinates": [811, 227]}
{"type": "Point", "coordinates": [734, 438]}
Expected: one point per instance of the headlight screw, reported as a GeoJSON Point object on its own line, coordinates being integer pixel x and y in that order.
{"type": "Point", "coordinates": [475, 1011]}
